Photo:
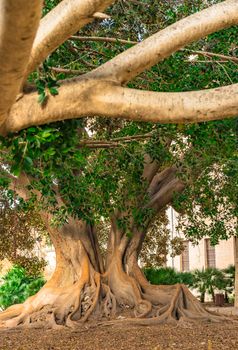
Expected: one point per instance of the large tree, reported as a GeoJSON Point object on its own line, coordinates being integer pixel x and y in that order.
{"type": "Point", "coordinates": [124, 172]}
{"type": "Point", "coordinates": [128, 180]}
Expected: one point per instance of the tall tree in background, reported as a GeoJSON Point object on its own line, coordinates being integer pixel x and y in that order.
{"type": "Point", "coordinates": [20, 231]}
{"type": "Point", "coordinates": [84, 170]}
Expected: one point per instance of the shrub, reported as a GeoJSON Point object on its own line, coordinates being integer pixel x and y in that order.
{"type": "Point", "coordinates": [229, 275]}
{"type": "Point", "coordinates": [18, 286]}
{"type": "Point", "coordinates": [185, 278]}
{"type": "Point", "coordinates": [167, 275]}
{"type": "Point", "coordinates": [209, 281]}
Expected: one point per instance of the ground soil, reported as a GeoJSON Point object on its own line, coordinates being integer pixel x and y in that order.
{"type": "Point", "coordinates": [90, 337]}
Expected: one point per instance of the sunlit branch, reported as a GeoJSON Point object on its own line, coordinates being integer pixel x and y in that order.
{"type": "Point", "coordinates": [161, 45]}
{"type": "Point", "coordinates": [90, 98]}
{"type": "Point", "coordinates": [178, 107]}
{"type": "Point", "coordinates": [19, 21]}
{"type": "Point", "coordinates": [60, 23]}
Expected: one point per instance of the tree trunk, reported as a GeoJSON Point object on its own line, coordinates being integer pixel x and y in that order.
{"type": "Point", "coordinates": [80, 289]}
{"type": "Point", "coordinates": [202, 297]}
{"type": "Point", "coordinates": [71, 293]}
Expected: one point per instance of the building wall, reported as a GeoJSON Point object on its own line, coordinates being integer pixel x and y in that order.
{"type": "Point", "coordinates": [224, 251]}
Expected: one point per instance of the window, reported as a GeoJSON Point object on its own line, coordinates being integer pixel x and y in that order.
{"type": "Point", "coordinates": [185, 257]}
{"type": "Point", "coordinates": [210, 254]}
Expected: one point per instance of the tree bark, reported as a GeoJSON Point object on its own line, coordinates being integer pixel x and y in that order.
{"type": "Point", "coordinates": [19, 21]}
{"type": "Point", "coordinates": [106, 99]}
{"type": "Point", "coordinates": [59, 24]}
{"type": "Point", "coordinates": [101, 91]}
{"type": "Point", "coordinates": [72, 292]}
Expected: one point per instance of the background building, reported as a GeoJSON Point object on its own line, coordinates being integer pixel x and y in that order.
{"type": "Point", "coordinates": [202, 255]}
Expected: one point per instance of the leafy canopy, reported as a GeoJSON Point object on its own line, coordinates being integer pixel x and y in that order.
{"type": "Point", "coordinates": [96, 169]}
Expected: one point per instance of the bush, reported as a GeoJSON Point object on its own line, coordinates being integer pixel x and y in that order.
{"type": "Point", "coordinates": [185, 278]}
{"type": "Point", "coordinates": [18, 286]}
{"type": "Point", "coordinates": [210, 280]}
{"type": "Point", "coordinates": [167, 275]}
{"type": "Point", "coordinates": [229, 275]}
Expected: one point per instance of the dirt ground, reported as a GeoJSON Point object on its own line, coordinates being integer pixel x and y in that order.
{"type": "Point", "coordinates": [162, 337]}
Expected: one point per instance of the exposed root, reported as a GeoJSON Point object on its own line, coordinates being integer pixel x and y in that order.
{"type": "Point", "coordinates": [182, 309]}
{"type": "Point", "coordinates": [143, 308]}
{"type": "Point", "coordinates": [110, 303]}
{"type": "Point", "coordinates": [95, 299]}
{"type": "Point", "coordinates": [74, 307]}
{"type": "Point", "coordinates": [53, 307]}
{"type": "Point", "coordinates": [103, 296]}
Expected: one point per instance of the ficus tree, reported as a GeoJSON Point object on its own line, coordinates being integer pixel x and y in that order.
{"type": "Point", "coordinates": [85, 171]}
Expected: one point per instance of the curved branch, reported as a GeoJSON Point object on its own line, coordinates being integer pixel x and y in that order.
{"type": "Point", "coordinates": [19, 21]}
{"type": "Point", "coordinates": [150, 168]}
{"type": "Point", "coordinates": [169, 107]}
{"type": "Point", "coordinates": [159, 178]}
{"type": "Point", "coordinates": [161, 45]}
{"type": "Point", "coordinates": [165, 194]}
{"type": "Point", "coordinates": [60, 23]}
{"type": "Point", "coordinates": [91, 97]}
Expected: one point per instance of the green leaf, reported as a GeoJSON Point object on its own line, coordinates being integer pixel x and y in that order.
{"type": "Point", "coordinates": [42, 98]}
{"type": "Point", "coordinates": [28, 162]}
{"type": "Point", "coordinates": [53, 91]}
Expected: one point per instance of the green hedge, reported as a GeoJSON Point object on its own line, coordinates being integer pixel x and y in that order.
{"type": "Point", "coordinates": [17, 286]}
{"type": "Point", "coordinates": [168, 275]}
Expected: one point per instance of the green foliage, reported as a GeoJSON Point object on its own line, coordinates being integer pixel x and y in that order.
{"type": "Point", "coordinates": [158, 243]}
{"type": "Point", "coordinates": [168, 276]}
{"type": "Point", "coordinates": [18, 286]}
{"type": "Point", "coordinates": [95, 182]}
{"type": "Point", "coordinates": [229, 276]}
{"type": "Point", "coordinates": [32, 265]}
{"type": "Point", "coordinates": [209, 281]}
{"type": "Point", "coordinates": [20, 229]}
{"type": "Point", "coordinates": [46, 82]}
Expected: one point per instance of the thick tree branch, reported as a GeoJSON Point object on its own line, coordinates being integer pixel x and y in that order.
{"type": "Point", "coordinates": [19, 21]}
{"type": "Point", "coordinates": [150, 168]}
{"type": "Point", "coordinates": [159, 178]}
{"type": "Point", "coordinates": [90, 98]}
{"type": "Point", "coordinates": [165, 194]}
{"type": "Point", "coordinates": [157, 47]}
{"type": "Point", "coordinates": [176, 107]}
{"type": "Point", "coordinates": [60, 23]}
